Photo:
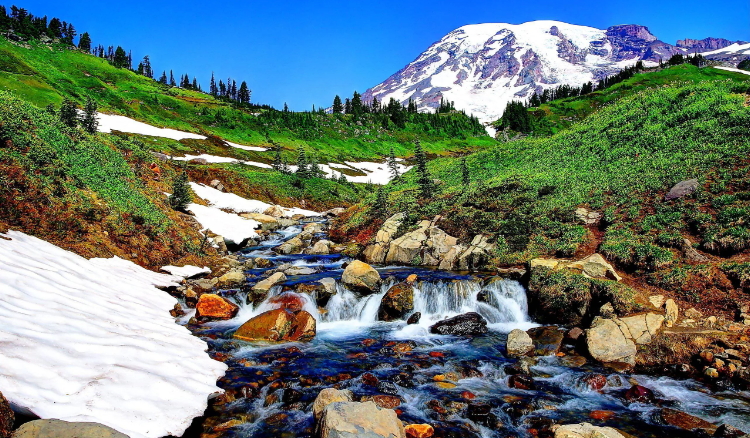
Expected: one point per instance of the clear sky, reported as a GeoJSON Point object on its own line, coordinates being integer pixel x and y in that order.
{"type": "Point", "coordinates": [305, 52]}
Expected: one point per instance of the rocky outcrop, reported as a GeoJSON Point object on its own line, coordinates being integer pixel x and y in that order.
{"type": "Point", "coordinates": [607, 342]}
{"type": "Point", "coordinates": [6, 418]}
{"type": "Point", "coordinates": [212, 307]}
{"type": "Point", "coordinates": [279, 325]}
{"type": "Point", "coordinates": [519, 343]}
{"type": "Point", "coordinates": [593, 266]}
{"type": "Point", "coordinates": [682, 189]}
{"type": "Point", "coordinates": [397, 303]}
{"type": "Point", "coordinates": [642, 328]}
{"type": "Point", "coordinates": [361, 277]}
{"type": "Point", "coordinates": [328, 396]}
{"type": "Point", "coordinates": [359, 420]}
{"type": "Point", "coordinates": [587, 217]}
{"type": "Point", "coordinates": [377, 252]}
{"type": "Point", "coordinates": [64, 429]}
{"type": "Point", "coordinates": [468, 324]}
{"type": "Point", "coordinates": [407, 249]}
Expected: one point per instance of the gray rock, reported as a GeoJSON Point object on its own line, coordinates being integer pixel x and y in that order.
{"type": "Point", "coordinates": [608, 343]}
{"type": "Point", "coordinates": [64, 429]}
{"type": "Point", "coordinates": [519, 343]}
{"type": "Point", "coordinates": [328, 396]}
{"type": "Point", "coordinates": [682, 189]}
{"type": "Point", "coordinates": [360, 420]}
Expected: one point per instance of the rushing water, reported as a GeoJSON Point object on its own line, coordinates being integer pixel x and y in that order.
{"type": "Point", "coordinates": [271, 387]}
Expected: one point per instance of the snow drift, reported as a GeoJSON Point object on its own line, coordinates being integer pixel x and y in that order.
{"type": "Point", "coordinates": [92, 340]}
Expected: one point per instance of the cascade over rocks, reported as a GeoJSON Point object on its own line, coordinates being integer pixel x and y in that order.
{"type": "Point", "coordinates": [64, 429]}
{"type": "Point", "coordinates": [468, 324]}
{"type": "Point", "coordinates": [359, 420]}
{"type": "Point", "coordinates": [361, 277]}
{"type": "Point", "coordinates": [397, 302]}
{"type": "Point", "coordinates": [279, 325]}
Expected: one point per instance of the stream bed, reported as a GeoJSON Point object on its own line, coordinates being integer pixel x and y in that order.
{"type": "Point", "coordinates": [459, 385]}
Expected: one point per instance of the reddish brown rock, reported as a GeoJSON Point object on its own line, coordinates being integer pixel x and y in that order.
{"type": "Point", "coordinates": [397, 303]}
{"type": "Point", "coordinates": [277, 326]}
{"type": "Point", "coordinates": [686, 421]}
{"type": "Point", "coordinates": [288, 300]}
{"type": "Point", "coordinates": [6, 418]}
{"type": "Point", "coordinates": [466, 395]}
{"type": "Point", "coordinates": [601, 415]}
{"type": "Point", "coordinates": [384, 401]}
{"type": "Point", "coordinates": [369, 342]}
{"type": "Point", "coordinates": [639, 394]}
{"type": "Point", "coordinates": [594, 381]}
{"type": "Point", "coordinates": [419, 431]}
{"type": "Point", "coordinates": [369, 379]}
{"type": "Point", "coordinates": [520, 381]}
{"type": "Point", "coordinates": [212, 306]}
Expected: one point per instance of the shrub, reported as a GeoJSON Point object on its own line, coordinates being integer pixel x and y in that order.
{"type": "Point", "coordinates": [181, 196]}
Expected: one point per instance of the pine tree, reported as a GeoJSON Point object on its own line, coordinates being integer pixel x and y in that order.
{"type": "Point", "coordinates": [342, 178]}
{"type": "Point", "coordinates": [90, 122]}
{"type": "Point", "coordinates": [212, 88]}
{"type": "Point", "coordinates": [393, 165]}
{"type": "Point", "coordinates": [120, 59]}
{"type": "Point", "coordinates": [172, 83]}
{"type": "Point", "coordinates": [163, 78]}
{"type": "Point", "coordinates": [84, 43]}
{"type": "Point", "coordinates": [356, 104]}
{"type": "Point", "coordinates": [278, 163]}
{"type": "Point", "coordinates": [302, 170]}
{"type": "Point", "coordinates": [423, 175]}
{"type": "Point", "coordinates": [315, 171]}
{"type": "Point", "coordinates": [195, 83]}
{"type": "Point", "coordinates": [381, 203]}
{"type": "Point", "coordinates": [181, 195]}
{"type": "Point", "coordinates": [147, 70]}
{"type": "Point", "coordinates": [69, 113]}
{"type": "Point", "coordinates": [347, 106]}
{"type": "Point", "coordinates": [465, 178]}
{"type": "Point", "coordinates": [286, 108]}
{"type": "Point", "coordinates": [244, 94]}
{"type": "Point", "coordinates": [338, 108]}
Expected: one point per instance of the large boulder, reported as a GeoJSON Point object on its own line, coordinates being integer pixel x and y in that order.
{"type": "Point", "coordinates": [547, 340]}
{"type": "Point", "coordinates": [586, 430]}
{"type": "Point", "coordinates": [397, 303]}
{"type": "Point", "coordinates": [607, 343]}
{"type": "Point", "coordinates": [64, 429]}
{"type": "Point", "coordinates": [477, 254]}
{"type": "Point", "coordinates": [594, 266]}
{"type": "Point", "coordinates": [266, 222]}
{"type": "Point", "coordinates": [278, 325]}
{"type": "Point", "coordinates": [328, 396]}
{"type": "Point", "coordinates": [682, 189]}
{"type": "Point", "coordinates": [232, 278]}
{"type": "Point", "coordinates": [468, 324]}
{"type": "Point", "coordinates": [519, 343]}
{"type": "Point", "coordinates": [407, 248]}
{"type": "Point", "coordinates": [6, 418]}
{"type": "Point", "coordinates": [376, 252]}
{"type": "Point", "coordinates": [643, 327]}
{"type": "Point", "coordinates": [359, 420]}
{"type": "Point", "coordinates": [321, 247]}
{"type": "Point", "coordinates": [212, 306]}
{"type": "Point", "coordinates": [361, 277]}
{"type": "Point", "coordinates": [292, 246]}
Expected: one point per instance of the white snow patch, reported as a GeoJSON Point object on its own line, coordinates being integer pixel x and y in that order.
{"type": "Point", "coordinates": [217, 159]}
{"type": "Point", "coordinates": [736, 49]}
{"type": "Point", "coordinates": [232, 227]}
{"type": "Point", "coordinates": [111, 122]}
{"type": "Point", "coordinates": [92, 340]}
{"type": "Point", "coordinates": [187, 271]}
{"type": "Point", "coordinates": [247, 148]}
{"type": "Point", "coordinates": [238, 204]}
{"type": "Point", "coordinates": [736, 70]}
{"type": "Point", "coordinates": [377, 173]}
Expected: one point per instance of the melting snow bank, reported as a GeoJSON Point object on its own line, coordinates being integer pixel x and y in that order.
{"type": "Point", "coordinates": [232, 227]}
{"type": "Point", "coordinates": [238, 204]}
{"type": "Point", "coordinates": [736, 70]}
{"type": "Point", "coordinates": [187, 271]}
{"type": "Point", "coordinates": [110, 122]}
{"type": "Point", "coordinates": [92, 340]}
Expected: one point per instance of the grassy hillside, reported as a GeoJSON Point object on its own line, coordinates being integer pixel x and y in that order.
{"type": "Point", "coordinates": [620, 160]}
{"type": "Point", "coordinates": [44, 74]}
{"type": "Point", "coordinates": [560, 114]}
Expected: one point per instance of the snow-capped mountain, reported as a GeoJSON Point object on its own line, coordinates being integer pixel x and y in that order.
{"type": "Point", "coordinates": [482, 67]}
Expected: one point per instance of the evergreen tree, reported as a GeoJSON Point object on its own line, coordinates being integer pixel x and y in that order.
{"type": "Point", "coordinates": [286, 108]}
{"type": "Point", "coordinates": [315, 171]}
{"type": "Point", "coordinates": [68, 113]}
{"type": "Point", "coordinates": [356, 104]}
{"type": "Point", "coordinates": [393, 165]}
{"type": "Point", "coordinates": [195, 83]}
{"type": "Point", "coordinates": [90, 122]}
{"type": "Point", "coordinates": [381, 203]}
{"type": "Point", "coordinates": [120, 59]}
{"type": "Point", "coordinates": [375, 105]}
{"type": "Point", "coordinates": [181, 195]}
{"type": "Point", "coordinates": [278, 163]}
{"type": "Point", "coordinates": [465, 178]}
{"type": "Point", "coordinates": [342, 178]}
{"type": "Point", "coordinates": [163, 78]}
{"type": "Point", "coordinates": [347, 106]}
{"type": "Point", "coordinates": [243, 95]}
{"type": "Point", "coordinates": [84, 43]}
{"type": "Point", "coordinates": [213, 90]}
{"type": "Point", "coordinates": [423, 175]}
{"type": "Point", "coordinates": [302, 170]}
{"type": "Point", "coordinates": [744, 65]}
{"type": "Point", "coordinates": [147, 70]}
{"type": "Point", "coordinates": [172, 83]}
{"type": "Point", "coordinates": [338, 108]}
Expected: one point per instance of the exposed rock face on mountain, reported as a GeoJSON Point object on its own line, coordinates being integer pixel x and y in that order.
{"type": "Point", "coordinates": [481, 67]}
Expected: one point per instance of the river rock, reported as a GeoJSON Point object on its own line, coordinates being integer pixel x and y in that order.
{"type": "Point", "coordinates": [261, 289]}
{"type": "Point", "coordinates": [685, 421]}
{"type": "Point", "coordinates": [521, 381]}
{"type": "Point", "coordinates": [396, 303]}
{"type": "Point", "coordinates": [232, 278]}
{"type": "Point", "coordinates": [682, 189]}
{"type": "Point", "coordinates": [607, 343]}
{"type": "Point", "coordinates": [547, 340]}
{"type": "Point", "coordinates": [377, 252]}
{"type": "Point", "coordinates": [291, 246]}
{"type": "Point", "coordinates": [212, 306]}
{"type": "Point", "coordinates": [278, 325]}
{"type": "Point", "coordinates": [6, 417]}
{"type": "Point", "coordinates": [594, 266]}
{"type": "Point", "coordinates": [468, 324]}
{"type": "Point", "coordinates": [519, 343]}
{"type": "Point", "coordinates": [586, 430]}
{"type": "Point", "coordinates": [334, 212]}
{"type": "Point", "coordinates": [299, 270]}
{"type": "Point", "coordinates": [419, 431]}
{"type": "Point", "coordinates": [359, 420]}
{"type": "Point", "coordinates": [275, 211]}
{"type": "Point", "coordinates": [290, 301]}
{"type": "Point", "coordinates": [414, 318]}
{"type": "Point", "coordinates": [321, 247]}
{"type": "Point", "coordinates": [727, 431]}
{"type": "Point", "coordinates": [328, 396]}
{"type": "Point", "coordinates": [64, 429]}
{"type": "Point", "coordinates": [361, 277]}
{"type": "Point", "coordinates": [322, 295]}
{"type": "Point", "coordinates": [639, 394]}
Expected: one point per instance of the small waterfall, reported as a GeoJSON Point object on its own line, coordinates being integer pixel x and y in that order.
{"type": "Point", "coordinates": [503, 302]}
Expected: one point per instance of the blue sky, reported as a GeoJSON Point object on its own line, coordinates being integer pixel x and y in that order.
{"type": "Point", "coordinates": [305, 52]}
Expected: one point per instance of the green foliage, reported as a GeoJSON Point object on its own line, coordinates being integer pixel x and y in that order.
{"type": "Point", "coordinates": [69, 113]}
{"type": "Point", "coordinates": [423, 175]}
{"type": "Point", "coordinates": [181, 195]}
{"type": "Point", "coordinates": [744, 65]}
{"type": "Point", "coordinates": [90, 122]}
{"type": "Point", "coordinates": [516, 118]}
